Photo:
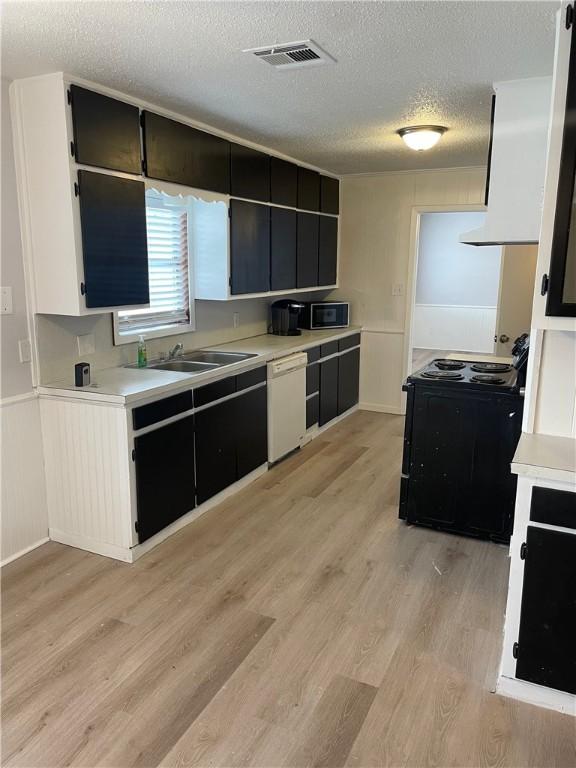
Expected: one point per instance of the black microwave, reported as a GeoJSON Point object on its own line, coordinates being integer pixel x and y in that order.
{"type": "Point", "coordinates": [318, 315]}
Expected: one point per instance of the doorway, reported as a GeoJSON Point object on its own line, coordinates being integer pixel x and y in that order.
{"type": "Point", "coordinates": [464, 300]}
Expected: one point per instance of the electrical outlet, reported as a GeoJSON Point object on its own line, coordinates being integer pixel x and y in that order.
{"type": "Point", "coordinates": [236, 319]}
{"type": "Point", "coordinates": [6, 301]}
{"type": "Point", "coordinates": [86, 344]}
{"type": "Point", "coordinates": [397, 289]}
{"type": "Point", "coordinates": [25, 350]}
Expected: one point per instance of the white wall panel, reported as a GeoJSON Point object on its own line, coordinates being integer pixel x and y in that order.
{"type": "Point", "coordinates": [460, 329]}
{"type": "Point", "coordinates": [556, 389]}
{"type": "Point", "coordinates": [24, 511]}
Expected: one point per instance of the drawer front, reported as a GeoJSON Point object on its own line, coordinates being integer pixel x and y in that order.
{"type": "Point", "coordinates": [553, 507]}
{"type": "Point", "coordinates": [312, 379]}
{"type": "Point", "coordinates": [215, 391]}
{"type": "Point", "coordinates": [349, 342]}
{"type": "Point", "coordinates": [313, 354]}
{"type": "Point", "coordinates": [330, 348]}
{"type": "Point", "coordinates": [250, 378]}
{"type": "Point", "coordinates": [161, 409]}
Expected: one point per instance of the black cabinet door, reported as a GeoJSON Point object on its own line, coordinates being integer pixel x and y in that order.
{"type": "Point", "coordinates": [179, 153]}
{"type": "Point", "coordinates": [327, 250]}
{"type": "Point", "coordinates": [312, 378]}
{"type": "Point", "coordinates": [308, 189]}
{"type": "Point", "coordinates": [329, 195]}
{"type": "Point", "coordinates": [249, 247]}
{"type": "Point", "coordinates": [282, 249]}
{"type": "Point", "coordinates": [106, 131]}
{"type": "Point", "coordinates": [113, 223]}
{"type": "Point", "coordinates": [249, 173]}
{"type": "Point", "coordinates": [307, 232]}
{"type": "Point", "coordinates": [546, 640]}
{"type": "Point", "coordinates": [251, 426]}
{"type": "Point", "coordinates": [164, 461]}
{"type": "Point", "coordinates": [283, 182]}
{"type": "Point", "coordinates": [311, 411]}
{"type": "Point", "coordinates": [460, 478]}
{"type": "Point", "coordinates": [215, 449]}
{"type": "Point", "coordinates": [348, 379]}
{"type": "Point", "coordinates": [328, 406]}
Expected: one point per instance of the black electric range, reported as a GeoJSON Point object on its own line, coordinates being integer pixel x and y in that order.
{"type": "Point", "coordinates": [463, 422]}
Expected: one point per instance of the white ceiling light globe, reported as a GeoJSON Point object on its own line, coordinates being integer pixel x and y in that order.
{"type": "Point", "coordinates": [422, 137]}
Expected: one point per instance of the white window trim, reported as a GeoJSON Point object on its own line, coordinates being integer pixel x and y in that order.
{"type": "Point", "coordinates": [178, 328]}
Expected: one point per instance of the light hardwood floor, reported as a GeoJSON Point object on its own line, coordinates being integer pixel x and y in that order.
{"type": "Point", "coordinates": [297, 624]}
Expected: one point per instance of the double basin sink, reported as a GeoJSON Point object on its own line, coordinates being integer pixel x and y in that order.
{"type": "Point", "coordinates": [201, 361]}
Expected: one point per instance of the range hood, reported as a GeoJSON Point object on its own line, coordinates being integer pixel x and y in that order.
{"type": "Point", "coordinates": [516, 163]}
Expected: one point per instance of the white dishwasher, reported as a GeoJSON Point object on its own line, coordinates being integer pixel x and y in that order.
{"type": "Point", "coordinates": [286, 404]}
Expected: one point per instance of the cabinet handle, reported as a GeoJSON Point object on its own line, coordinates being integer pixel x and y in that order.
{"type": "Point", "coordinates": [544, 285]}
{"type": "Point", "coordinates": [133, 454]}
{"type": "Point", "coordinates": [523, 551]}
{"type": "Point", "coordinates": [569, 16]}
{"type": "Point", "coordinates": [515, 649]}
{"type": "Point", "coordinates": [72, 148]}
{"type": "Point", "coordinates": [83, 289]}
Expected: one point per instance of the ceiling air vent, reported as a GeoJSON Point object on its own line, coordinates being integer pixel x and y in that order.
{"type": "Point", "coordinates": [291, 55]}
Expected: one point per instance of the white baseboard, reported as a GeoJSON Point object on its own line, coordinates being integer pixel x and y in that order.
{"type": "Point", "coordinates": [379, 408]}
{"type": "Point", "coordinates": [24, 551]}
{"type": "Point", "coordinates": [91, 545]}
{"type": "Point", "coordinates": [538, 695]}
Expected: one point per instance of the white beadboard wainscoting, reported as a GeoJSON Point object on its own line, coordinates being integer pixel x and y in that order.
{"type": "Point", "coordinates": [456, 327]}
{"type": "Point", "coordinates": [24, 509]}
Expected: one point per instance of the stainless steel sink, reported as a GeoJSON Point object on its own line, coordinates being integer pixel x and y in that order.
{"type": "Point", "coordinates": [183, 366]}
{"type": "Point", "coordinates": [207, 356]}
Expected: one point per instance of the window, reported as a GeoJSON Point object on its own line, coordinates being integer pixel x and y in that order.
{"type": "Point", "coordinates": [168, 273]}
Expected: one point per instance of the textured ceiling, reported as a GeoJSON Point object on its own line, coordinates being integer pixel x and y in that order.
{"type": "Point", "coordinates": [398, 63]}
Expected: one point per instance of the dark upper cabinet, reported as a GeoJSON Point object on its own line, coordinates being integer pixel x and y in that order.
{"type": "Point", "coordinates": [113, 223]}
{"type": "Point", "coordinates": [164, 460]}
{"type": "Point", "coordinates": [329, 195]}
{"type": "Point", "coordinates": [348, 380]}
{"type": "Point", "coordinates": [282, 249]}
{"type": "Point", "coordinates": [328, 406]}
{"type": "Point", "coordinates": [215, 449]}
{"type": "Point", "coordinates": [327, 250]}
{"type": "Point", "coordinates": [561, 300]}
{"type": "Point", "coordinates": [283, 182]}
{"type": "Point", "coordinates": [249, 173]}
{"type": "Point", "coordinates": [308, 189]}
{"type": "Point", "coordinates": [307, 231]}
{"type": "Point", "coordinates": [249, 247]}
{"type": "Point", "coordinates": [106, 131]}
{"type": "Point", "coordinates": [548, 611]}
{"type": "Point", "coordinates": [179, 153]}
{"type": "Point", "coordinates": [251, 425]}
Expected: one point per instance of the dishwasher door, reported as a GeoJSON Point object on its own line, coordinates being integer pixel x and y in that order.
{"type": "Point", "coordinates": [286, 405]}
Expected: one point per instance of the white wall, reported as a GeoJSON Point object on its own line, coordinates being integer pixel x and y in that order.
{"type": "Point", "coordinates": [24, 514]}
{"type": "Point", "coordinates": [456, 286]}
{"type": "Point", "coordinates": [376, 219]}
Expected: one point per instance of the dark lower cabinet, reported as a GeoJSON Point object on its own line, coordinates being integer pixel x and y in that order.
{"type": "Point", "coordinates": [164, 460]}
{"type": "Point", "coordinates": [547, 637]}
{"type": "Point", "coordinates": [327, 250]}
{"type": "Point", "coordinates": [249, 247]}
{"type": "Point", "coordinates": [179, 153]}
{"type": "Point", "coordinates": [251, 425]}
{"type": "Point", "coordinates": [312, 411]}
{"type": "Point", "coordinates": [312, 379]}
{"type": "Point", "coordinates": [106, 131]}
{"type": "Point", "coordinates": [114, 246]}
{"type": "Point", "coordinates": [328, 406]}
{"type": "Point", "coordinates": [231, 441]}
{"type": "Point", "coordinates": [215, 449]}
{"type": "Point", "coordinates": [307, 250]}
{"type": "Point", "coordinates": [282, 249]}
{"type": "Point", "coordinates": [348, 380]}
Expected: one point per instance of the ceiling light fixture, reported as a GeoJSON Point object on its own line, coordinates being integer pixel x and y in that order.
{"type": "Point", "coordinates": [421, 137]}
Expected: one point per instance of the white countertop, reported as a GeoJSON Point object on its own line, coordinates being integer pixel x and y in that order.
{"type": "Point", "coordinates": [125, 386]}
{"type": "Point", "coordinates": [546, 457]}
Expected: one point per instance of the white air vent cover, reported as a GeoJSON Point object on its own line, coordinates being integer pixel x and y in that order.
{"type": "Point", "coordinates": [306, 53]}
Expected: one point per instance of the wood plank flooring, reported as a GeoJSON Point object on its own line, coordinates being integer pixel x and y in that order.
{"type": "Point", "coordinates": [297, 624]}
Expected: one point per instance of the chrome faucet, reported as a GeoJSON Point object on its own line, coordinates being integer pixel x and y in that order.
{"type": "Point", "coordinates": [175, 351]}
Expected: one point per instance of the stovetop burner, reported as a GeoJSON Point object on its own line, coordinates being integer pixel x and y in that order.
{"type": "Point", "coordinates": [491, 367]}
{"type": "Point", "coordinates": [449, 365]}
{"type": "Point", "coordinates": [487, 378]}
{"type": "Point", "coordinates": [450, 375]}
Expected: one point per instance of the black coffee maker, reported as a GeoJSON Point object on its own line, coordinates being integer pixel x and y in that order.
{"type": "Point", "coordinates": [285, 314]}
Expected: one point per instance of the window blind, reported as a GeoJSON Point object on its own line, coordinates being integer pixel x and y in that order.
{"type": "Point", "coordinates": [167, 231]}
